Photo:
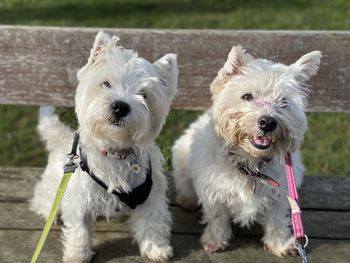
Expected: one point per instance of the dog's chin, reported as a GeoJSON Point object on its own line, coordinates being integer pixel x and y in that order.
{"type": "Point", "coordinates": [110, 132]}
{"type": "Point", "coordinates": [258, 146]}
{"type": "Point", "coordinates": [122, 134]}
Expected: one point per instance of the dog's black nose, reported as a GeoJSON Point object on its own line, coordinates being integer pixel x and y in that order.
{"type": "Point", "coordinates": [267, 123]}
{"type": "Point", "coordinates": [120, 108]}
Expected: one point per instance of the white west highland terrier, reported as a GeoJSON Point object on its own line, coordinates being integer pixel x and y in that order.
{"type": "Point", "coordinates": [122, 102]}
{"type": "Point", "coordinates": [232, 158]}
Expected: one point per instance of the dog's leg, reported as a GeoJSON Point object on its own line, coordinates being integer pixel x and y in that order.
{"type": "Point", "coordinates": [76, 236]}
{"type": "Point", "coordinates": [150, 224]}
{"type": "Point", "coordinates": [186, 194]}
{"type": "Point", "coordinates": [218, 231]}
{"type": "Point", "coordinates": [277, 238]}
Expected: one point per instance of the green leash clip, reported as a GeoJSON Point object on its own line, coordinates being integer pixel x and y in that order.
{"type": "Point", "coordinates": [69, 169]}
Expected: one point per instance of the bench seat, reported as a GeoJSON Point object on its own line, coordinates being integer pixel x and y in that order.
{"type": "Point", "coordinates": [326, 210]}
{"type": "Point", "coordinates": [38, 66]}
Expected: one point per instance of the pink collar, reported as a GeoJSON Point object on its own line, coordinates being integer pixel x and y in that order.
{"type": "Point", "coordinates": [117, 153]}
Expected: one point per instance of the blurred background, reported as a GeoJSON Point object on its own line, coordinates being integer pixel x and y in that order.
{"type": "Point", "coordinates": [326, 150]}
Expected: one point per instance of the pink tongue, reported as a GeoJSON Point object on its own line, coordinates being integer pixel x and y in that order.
{"type": "Point", "coordinates": [262, 140]}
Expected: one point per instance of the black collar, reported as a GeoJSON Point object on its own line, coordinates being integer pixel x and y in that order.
{"type": "Point", "coordinates": [246, 170]}
{"type": "Point", "coordinates": [136, 197]}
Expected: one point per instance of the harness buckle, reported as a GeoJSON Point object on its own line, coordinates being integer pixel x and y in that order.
{"type": "Point", "coordinates": [71, 165]}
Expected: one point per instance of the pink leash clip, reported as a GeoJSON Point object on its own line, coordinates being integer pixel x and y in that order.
{"type": "Point", "coordinates": [298, 229]}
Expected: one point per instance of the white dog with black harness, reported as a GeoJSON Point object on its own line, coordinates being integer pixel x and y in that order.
{"type": "Point", "coordinates": [122, 102]}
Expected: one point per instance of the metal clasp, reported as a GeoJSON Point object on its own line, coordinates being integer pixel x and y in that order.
{"type": "Point", "coordinates": [301, 247]}
{"type": "Point", "coordinates": [70, 166]}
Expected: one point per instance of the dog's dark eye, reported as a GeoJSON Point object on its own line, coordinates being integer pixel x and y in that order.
{"type": "Point", "coordinates": [143, 94]}
{"type": "Point", "coordinates": [106, 84]}
{"type": "Point", "coordinates": [247, 97]}
{"type": "Point", "coordinates": [284, 103]}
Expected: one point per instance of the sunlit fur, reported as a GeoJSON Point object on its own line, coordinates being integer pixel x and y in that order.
{"type": "Point", "coordinates": [235, 119]}
{"type": "Point", "coordinates": [148, 89]}
{"type": "Point", "coordinates": [205, 157]}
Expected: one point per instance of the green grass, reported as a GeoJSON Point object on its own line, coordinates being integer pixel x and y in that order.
{"type": "Point", "coordinates": [20, 145]}
{"type": "Point", "coordinates": [327, 143]}
{"type": "Point", "coordinates": [238, 14]}
{"type": "Point", "coordinates": [326, 149]}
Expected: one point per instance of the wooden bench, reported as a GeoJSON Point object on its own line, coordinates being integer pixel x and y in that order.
{"type": "Point", "coordinates": [38, 67]}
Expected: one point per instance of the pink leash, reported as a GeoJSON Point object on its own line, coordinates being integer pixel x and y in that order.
{"type": "Point", "coordinates": [300, 239]}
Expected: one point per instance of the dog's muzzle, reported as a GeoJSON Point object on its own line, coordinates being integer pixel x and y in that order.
{"type": "Point", "coordinates": [119, 109]}
{"type": "Point", "coordinates": [267, 123]}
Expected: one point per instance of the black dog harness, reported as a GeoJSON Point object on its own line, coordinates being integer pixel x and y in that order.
{"type": "Point", "coordinates": [135, 197]}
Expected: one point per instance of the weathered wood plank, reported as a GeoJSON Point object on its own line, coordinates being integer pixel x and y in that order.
{"type": "Point", "coordinates": [118, 248]}
{"type": "Point", "coordinates": [17, 184]}
{"type": "Point", "coordinates": [109, 247]}
{"type": "Point", "coordinates": [327, 192]}
{"type": "Point", "coordinates": [320, 251]}
{"type": "Point", "coordinates": [318, 224]}
{"type": "Point", "coordinates": [317, 192]}
{"type": "Point", "coordinates": [38, 64]}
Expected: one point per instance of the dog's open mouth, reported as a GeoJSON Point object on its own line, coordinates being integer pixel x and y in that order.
{"type": "Point", "coordinates": [115, 121]}
{"type": "Point", "coordinates": [261, 142]}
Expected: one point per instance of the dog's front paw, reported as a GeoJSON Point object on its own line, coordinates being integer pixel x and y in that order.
{"type": "Point", "coordinates": [287, 249]}
{"type": "Point", "coordinates": [214, 246]}
{"type": "Point", "coordinates": [158, 253]}
{"type": "Point", "coordinates": [83, 256]}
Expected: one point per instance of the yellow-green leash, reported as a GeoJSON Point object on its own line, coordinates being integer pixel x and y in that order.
{"type": "Point", "coordinates": [69, 169]}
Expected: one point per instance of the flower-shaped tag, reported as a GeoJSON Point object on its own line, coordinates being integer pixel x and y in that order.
{"type": "Point", "coordinates": [135, 168]}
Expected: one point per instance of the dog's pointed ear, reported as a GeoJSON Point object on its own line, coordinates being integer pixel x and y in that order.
{"type": "Point", "coordinates": [236, 59]}
{"type": "Point", "coordinates": [102, 42]}
{"type": "Point", "coordinates": [307, 66]}
{"type": "Point", "coordinates": [168, 72]}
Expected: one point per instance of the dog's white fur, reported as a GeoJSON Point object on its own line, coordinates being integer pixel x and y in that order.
{"type": "Point", "coordinates": [148, 89]}
{"type": "Point", "coordinates": [204, 157]}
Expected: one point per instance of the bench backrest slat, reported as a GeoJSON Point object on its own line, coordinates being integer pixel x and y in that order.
{"type": "Point", "coordinates": [38, 65]}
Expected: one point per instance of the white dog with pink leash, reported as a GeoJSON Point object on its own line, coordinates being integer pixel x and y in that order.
{"type": "Point", "coordinates": [232, 159]}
